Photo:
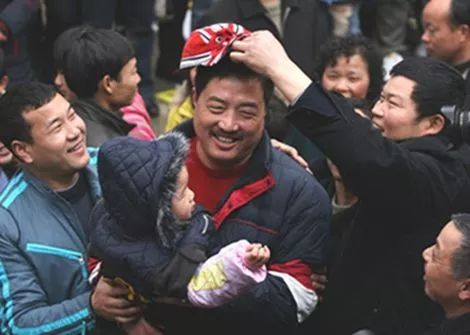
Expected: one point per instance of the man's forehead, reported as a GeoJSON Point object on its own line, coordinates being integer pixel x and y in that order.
{"type": "Point", "coordinates": [400, 86]}
{"type": "Point", "coordinates": [438, 8]}
{"type": "Point", "coordinates": [130, 65]}
{"type": "Point", "coordinates": [234, 78]}
{"type": "Point", "coordinates": [248, 85]}
{"type": "Point", "coordinates": [56, 105]}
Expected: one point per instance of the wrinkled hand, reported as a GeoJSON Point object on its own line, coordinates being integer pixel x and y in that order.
{"type": "Point", "coordinates": [109, 301]}
{"type": "Point", "coordinates": [292, 152]}
{"type": "Point", "coordinates": [257, 255]}
{"type": "Point", "coordinates": [260, 51]}
{"type": "Point", "coordinates": [319, 282]}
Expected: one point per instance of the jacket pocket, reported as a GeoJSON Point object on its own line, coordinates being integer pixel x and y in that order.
{"type": "Point", "coordinates": [59, 252]}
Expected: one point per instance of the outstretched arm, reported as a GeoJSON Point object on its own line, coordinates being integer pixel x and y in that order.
{"type": "Point", "coordinates": [263, 53]}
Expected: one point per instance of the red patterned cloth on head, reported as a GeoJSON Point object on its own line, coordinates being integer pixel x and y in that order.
{"type": "Point", "coordinates": [207, 45]}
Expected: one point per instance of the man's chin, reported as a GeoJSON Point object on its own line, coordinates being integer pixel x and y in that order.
{"type": "Point", "coordinates": [82, 163]}
{"type": "Point", "coordinates": [227, 161]}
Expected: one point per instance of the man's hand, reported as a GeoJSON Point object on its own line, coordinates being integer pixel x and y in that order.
{"type": "Point", "coordinates": [292, 152]}
{"type": "Point", "coordinates": [260, 51]}
{"type": "Point", "coordinates": [109, 302]}
{"type": "Point", "coordinates": [264, 54]}
{"type": "Point", "coordinates": [319, 282]}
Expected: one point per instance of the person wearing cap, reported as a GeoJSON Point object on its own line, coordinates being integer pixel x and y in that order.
{"type": "Point", "coordinates": [253, 191]}
{"type": "Point", "coordinates": [409, 173]}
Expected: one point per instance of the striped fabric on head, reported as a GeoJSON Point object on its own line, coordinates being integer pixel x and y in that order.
{"type": "Point", "coordinates": [207, 45]}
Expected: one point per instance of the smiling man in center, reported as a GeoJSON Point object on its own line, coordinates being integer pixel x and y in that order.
{"type": "Point", "coordinates": [255, 193]}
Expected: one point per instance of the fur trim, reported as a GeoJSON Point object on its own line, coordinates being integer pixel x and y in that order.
{"type": "Point", "coordinates": [167, 226]}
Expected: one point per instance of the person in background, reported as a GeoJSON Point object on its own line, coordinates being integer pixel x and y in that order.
{"type": "Point", "coordinates": [447, 35]}
{"type": "Point", "coordinates": [20, 27]}
{"type": "Point", "coordinates": [352, 67]}
{"type": "Point", "coordinates": [134, 114]}
{"type": "Point", "coordinates": [7, 162]}
{"type": "Point", "coordinates": [447, 275]}
{"type": "Point", "coordinates": [100, 68]}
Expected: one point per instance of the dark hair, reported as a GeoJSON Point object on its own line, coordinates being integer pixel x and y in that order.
{"type": "Point", "coordinates": [2, 64]}
{"type": "Point", "coordinates": [62, 45]}
{"type": "Point", "coordinates": [21, 99]}
{"type": "Point", "coordinates": [227, 68]}
{"type": "Point", "coordinates": [459, 12]}
{"type": "Point", "coordinates": [354, 45]}
{"type": "Point", "coordinates": [437, 84]}
{"type": "Point", "coordinates": [88, 54]}
{"type": "Point", "coordinates": [461, 257]}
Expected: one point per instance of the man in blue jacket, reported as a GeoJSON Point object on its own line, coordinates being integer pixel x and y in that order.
{"type": "Point", "coordinates": [44, 220]}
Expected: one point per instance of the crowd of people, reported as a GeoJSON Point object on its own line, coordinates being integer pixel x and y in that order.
{"type": "Point", "coordinates": [314, 177]}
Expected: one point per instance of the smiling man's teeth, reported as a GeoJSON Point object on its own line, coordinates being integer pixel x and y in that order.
{"type": "Point", "coordinates": [225, 139]}
{"type": "Point", "coordinates": [75, 148]}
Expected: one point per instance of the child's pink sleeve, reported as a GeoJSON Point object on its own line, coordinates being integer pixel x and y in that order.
{"type": "Point", "coordinates": [224, 277]}
{"type": "Point", "coordinates": [136, 114]}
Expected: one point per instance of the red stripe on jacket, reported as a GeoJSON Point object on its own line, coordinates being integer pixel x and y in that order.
{"type": "Point", "coordinates": [296, 269]}
{"type": "Point", "coordinates": [242, 196]}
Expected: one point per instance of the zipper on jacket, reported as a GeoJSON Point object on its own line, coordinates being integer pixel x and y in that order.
{"type": "Point", "coordinates": [69, 254]}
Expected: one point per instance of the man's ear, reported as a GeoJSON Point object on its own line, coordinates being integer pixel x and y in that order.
{"type": "Point", "coordinates": [107, 84]}
{"type": "Point", "coordinates": [464, 290]}
{"type": "Point", "coordinates": [192, 76]}
{"type": "Point", "coordinates": [433, 124]}
{"type": "Point", "coordinates": [194, 96]}
{"type": "Point", "coordinates": [465, 32]}
{"type": "Point", "coordinates": [22, 150]}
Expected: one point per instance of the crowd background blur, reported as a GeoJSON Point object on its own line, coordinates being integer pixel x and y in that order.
{"type": "Point", "coordinates": [157, 30]}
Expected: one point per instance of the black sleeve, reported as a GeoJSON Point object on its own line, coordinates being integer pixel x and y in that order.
{"type": "Point", "coordinates": [369, 162]}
